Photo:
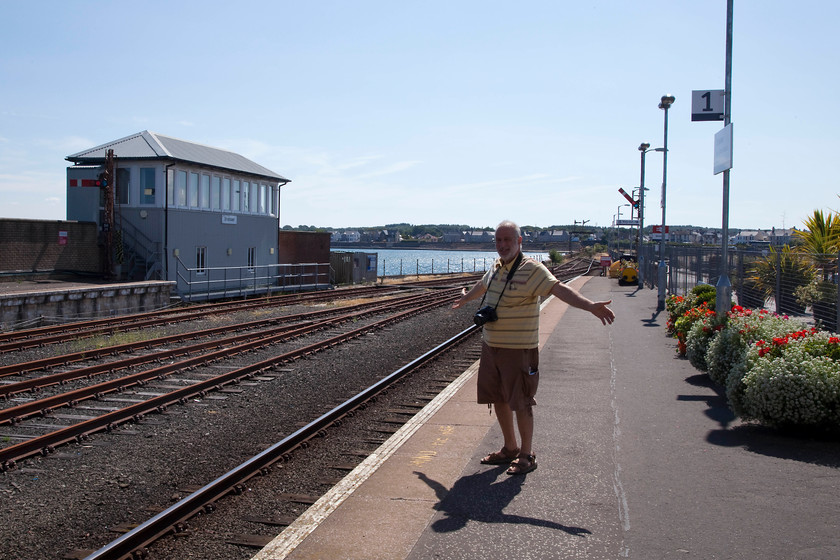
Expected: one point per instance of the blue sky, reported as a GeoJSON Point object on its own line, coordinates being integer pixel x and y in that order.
{"type": "Point", "coordinates": [452, 111]}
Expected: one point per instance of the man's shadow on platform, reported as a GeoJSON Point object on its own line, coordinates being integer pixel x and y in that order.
{"type": "Point", "coordinates": [478, 497]}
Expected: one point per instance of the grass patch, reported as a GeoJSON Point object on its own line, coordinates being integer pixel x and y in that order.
{"type": "Point", "coordinates": [116, 339]}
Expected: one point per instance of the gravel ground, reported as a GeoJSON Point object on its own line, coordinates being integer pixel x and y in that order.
{"type": "Point", "coordinates": [71, 499]}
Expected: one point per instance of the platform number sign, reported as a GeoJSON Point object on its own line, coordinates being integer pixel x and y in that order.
{"type": "Point", "coordinates": [707, 105]}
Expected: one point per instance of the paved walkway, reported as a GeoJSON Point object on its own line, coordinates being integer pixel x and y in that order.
{"type": "Point", "coordinates": [639, 457]}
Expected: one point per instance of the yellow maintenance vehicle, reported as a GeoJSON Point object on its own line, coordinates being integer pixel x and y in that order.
{"type": "Point", "coordinates": [626, 270]}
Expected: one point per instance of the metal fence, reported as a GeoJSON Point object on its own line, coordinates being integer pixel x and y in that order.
{"type": "Point", "coordinates": [797, 284]}
{"type": "Point", "coordinates": [234, 281]}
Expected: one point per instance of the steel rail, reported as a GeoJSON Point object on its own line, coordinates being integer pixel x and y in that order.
{"type": "Point", "coordinates": [231, 346]}
{"type": "Point", "coordinates": [47, 443]}
{"type": "Point", "coordinates": [83, 355]}
{"type": "Point", "coordinates": [18, 340]}
{"type": "Point", "coordinates": [202, 309]}
{"type": "Point", "coordinates": [201, 500]}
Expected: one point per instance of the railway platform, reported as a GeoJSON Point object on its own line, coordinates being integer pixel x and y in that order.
{"type": "Point", "coordinates": [32, 303]}
{"type": "Point", "coordinates": [639, 457]}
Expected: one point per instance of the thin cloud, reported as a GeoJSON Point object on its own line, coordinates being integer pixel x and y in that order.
{"type": "Point", "coordinates": [532, 179]}
{"type": "Point", "coordinates": [390, 169]}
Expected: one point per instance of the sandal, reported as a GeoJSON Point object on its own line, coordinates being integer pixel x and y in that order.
{"type": "Point", "coordinates": [523, 464]}
{"type": "Point", "coordinates": [502, 457]}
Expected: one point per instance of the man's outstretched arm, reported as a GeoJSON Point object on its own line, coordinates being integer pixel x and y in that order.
{"type": "Point", "coordinates": [576, 299]}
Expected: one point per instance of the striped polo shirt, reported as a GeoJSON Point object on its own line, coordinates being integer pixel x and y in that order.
{"type": "Point", "coordinates": [519, 306]}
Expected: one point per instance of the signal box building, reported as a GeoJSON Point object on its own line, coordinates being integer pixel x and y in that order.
{"type": "Point", "coordinates": [182, 211]}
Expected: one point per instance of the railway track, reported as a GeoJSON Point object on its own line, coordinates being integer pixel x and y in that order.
{"type": "Point", "coordinates": [276, 325]}
{"type": "Point", "coordinates": [181, 360]}
{"type": "Point", "coordinates": [176, 517]}
{"type": "Point", "coordinates": [199, 388]}
{"type": "Point", "coordinates": [54, 334]}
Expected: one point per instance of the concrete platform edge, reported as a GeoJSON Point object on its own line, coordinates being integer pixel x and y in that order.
{"type": "Point", "coordinates": [295, 534]}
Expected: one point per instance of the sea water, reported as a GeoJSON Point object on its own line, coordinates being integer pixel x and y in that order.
{"type": "Point", "coordinates": [404, 262]}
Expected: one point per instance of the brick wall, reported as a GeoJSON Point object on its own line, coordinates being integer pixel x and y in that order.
{"type": "Point", "coordinates": [296, 247]}
{"type": "Point", "coordinates": [47, 246]}
{"type": "Point", "coordinates": [303, 247]}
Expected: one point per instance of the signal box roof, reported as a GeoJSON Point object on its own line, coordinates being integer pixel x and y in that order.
{"type": "Point", "coordinates": [153, 146]}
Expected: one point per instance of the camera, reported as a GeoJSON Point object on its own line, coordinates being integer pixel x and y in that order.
{"type": "Point", "coordinates": [485, 315]}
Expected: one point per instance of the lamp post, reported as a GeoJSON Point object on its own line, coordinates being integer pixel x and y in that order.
{"type": "Point", "coordinates": [665, 104]}
{"type": "Point", "coordinates": [636, 196]}
{"type": "Point", "coordinates": [617, 228]}
{"type": "Point", "coordinates": [644, 148]}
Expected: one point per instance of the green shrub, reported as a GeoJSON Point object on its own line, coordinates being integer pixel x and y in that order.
{"type": "Point", "coordinates": [726, 357]}
{"type": "Point", "coordinates": [794, 381]}
{"type": "Point", "coordinates": [726, 352]}
{"type": "Point", "coordinates": [700, 337]}
{"type": "Point", "coordinates": [685, 311]}
{"type": "Point", "coordinates": [677, 306]}
{"type": "Point", "coordinates": [684, 324]}
{"type": "Point", "coordinates": [821, 296]}
{"type": "Point", "coordinates": [794, 270]}
{"type": "Point", "coordinates": [704, 293]}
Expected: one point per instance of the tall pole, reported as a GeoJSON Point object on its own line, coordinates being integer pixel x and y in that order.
{"type": "Point", "coordinates": [618, 227]}
{"type": "Point", "coordinates": [643, 148]}
{"type": "Point", "coordinates": [109, 214]}
{"type": "Point", "coordinates": [665, 104]}
{"type": "Point", "coordinates": [615, 224]}
{"type": "Point", "coordinates": [723, 289]}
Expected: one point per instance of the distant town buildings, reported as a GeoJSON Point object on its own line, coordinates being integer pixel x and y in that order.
{"type": "Point", "coordinates": [776, 237]}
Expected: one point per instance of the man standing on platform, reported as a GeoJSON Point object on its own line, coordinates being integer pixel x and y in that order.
{"type": "Point", "coordinates": [508, 371]}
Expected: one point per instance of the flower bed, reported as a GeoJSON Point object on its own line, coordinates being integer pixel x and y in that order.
{"type": "Point", "coordinates": [775, 370]}
{"type": "Point", "coordinates": [684, 312]}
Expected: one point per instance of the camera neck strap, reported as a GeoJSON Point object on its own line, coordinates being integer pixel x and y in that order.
{"type": "Point", "coordinates": [510, 274]}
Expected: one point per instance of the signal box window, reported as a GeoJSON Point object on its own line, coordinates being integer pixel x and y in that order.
{"type": "Point", "coordinates": [201, 260]}
{"type": "Point", "coordinates": [272, 198]}
{"type": "Point", "coordinates": [252, 258]}
{"type": "Point", "coordinates": [123, 185]}
{"type": "Point", "coordinates": [215, 192]}
{"type": "Point", "coordinates": [193, 190]}
{"type": "Point", "coordinates": [181, 188]}
{"type": "Point", "coordinates": [205, 191]}
{"type": "Point", "coordinates": [147, 185]}
{"type": "Point", "coordinates": [236, 194]}
{"type": "Point", "coordinates": [226, 193]}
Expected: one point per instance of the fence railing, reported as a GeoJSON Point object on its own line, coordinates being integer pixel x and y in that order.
{"type": "Point", "coordinates": [788, 282]}
{"type": "Point", "coordinates": [196, 284]}
{"type": "Point", "coordinates": [416, 267]}
{"type": "Point", "coordinates": [144, 256]}
{"type": "Point", "coordinates": [396, 266]}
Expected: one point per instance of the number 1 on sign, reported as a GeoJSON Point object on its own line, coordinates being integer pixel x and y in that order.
{"type": "Point", "coordinates": [707, 105]}
{"type": "Point", "coordinates": [708, 97]}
